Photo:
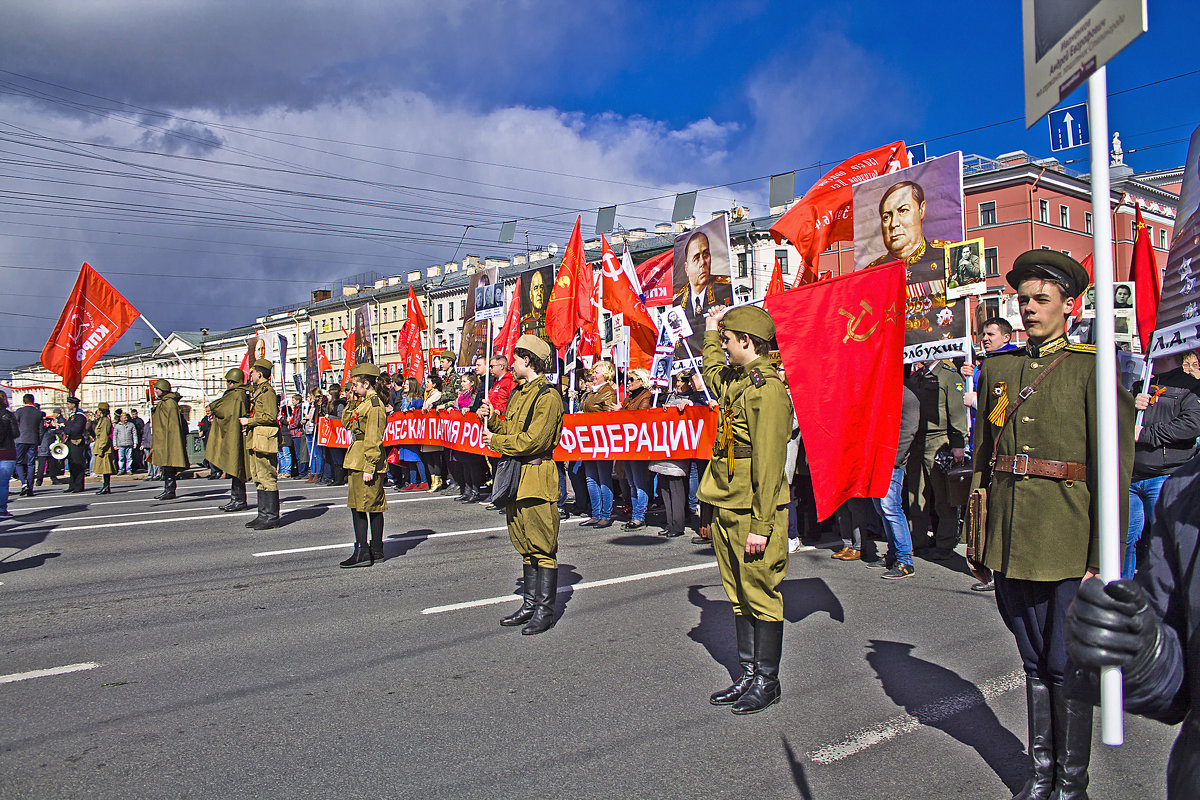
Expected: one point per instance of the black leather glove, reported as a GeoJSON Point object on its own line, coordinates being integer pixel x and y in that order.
{"type": "Point", "coordinates": [1112, 626]}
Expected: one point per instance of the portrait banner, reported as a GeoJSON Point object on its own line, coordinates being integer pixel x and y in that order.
{"type": "Point", "coordinates": [964, 269]}
{"type": "Point", "coordinates": [535, 294]}
{"type": "Point", "coordinates": [364, 342]}
{"type": "Point", "coordinates": [653, 434]}
{"type": "Point", "coordinates": [312, 366]}
{"type": "Point", "coordinates": [702, 277]}
{"type": "Point", "coordinates": [935, 329]}
{"type": "Point", "coordinates": [486, 295]}
{"type": "Point", "coordinates": [1178, 323]}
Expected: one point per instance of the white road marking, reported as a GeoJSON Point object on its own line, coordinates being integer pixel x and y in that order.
{"type": "Point", "coordinates": [340, 545]}
{"type": "Point", "coordinates": [27, 531]}
{"type": "Point", "coordinates": [930, 714]}
{"type": "Point", "coordinates": [46, 673]}
{"type": "Point", "coordinates": [641, 576]}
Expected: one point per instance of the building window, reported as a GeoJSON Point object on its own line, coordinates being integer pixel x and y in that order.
{"type": "Point", "coordinates": [383, 314]}
{"type": "Point", "coordinates": [1044, 210]}
{"type": "Point", "coordinates": [450, 311]}
{"type": "Point", "coordinates": [991, 262]}
{"type": "Point", "coordinates": [1064, 217]}
{"type": "Point", "coordinates": [1162, 238]}
{"type": "Point", "coordinates": [991, 307]}
{"type": "Point", "coordinates": [1087, 222]}
{"type": "Point", "coordinates": [742, 271]}
{"type": "Point", "coordinates": [987, 213]}
{"type": "Point", "coordinates": [452, 343]}
{"type": "Point", "coordinates": [462, 309]}
{"type": "Point", "coordinates": [439, 314]}
{"type": "Point", "coordinates": [781, 257]}
{"type": "Point", "coordinates": [1133, 230]}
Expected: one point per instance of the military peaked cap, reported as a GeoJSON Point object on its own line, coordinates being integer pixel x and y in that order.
{"type": "Point", "coordinates": [1049, 265]}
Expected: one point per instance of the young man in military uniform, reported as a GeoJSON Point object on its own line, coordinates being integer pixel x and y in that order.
{"type": "Point", "coordinates": [533, 515]}
{"type": "Point", "coordinates": [262, 444]}
{"type": "Point", "coordinates": [1039, 463]}
{"type": "Point", "coordinates": [226, 450]}
{"type": "Point", "coordinates": [746, 487]}
{"type": "Point", "coordinates": [168, 452]}
{"type": "Point", "coordinates": [939, 388]}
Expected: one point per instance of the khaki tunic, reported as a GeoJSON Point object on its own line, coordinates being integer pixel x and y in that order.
{"type": "Point", "coordinates": [533, 517]}
{"type": "Point", "coordinates": [167, 447]}
{"type": "Point", "coordinates": [104, 458]}
{"type": "Point", "coordinates": [263, 448]}
{"type": "Point", "coordinates": [1043, 529]}
{"type": "Point", "coordinates": [757, 410]}
{"type": "Point", "coordinates": [365, 421]}
{"type": "Point", "coordinates": [226, 449]}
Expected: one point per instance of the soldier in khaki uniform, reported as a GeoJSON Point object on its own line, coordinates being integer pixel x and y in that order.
{"type": "Point", "coordinates": [745, 485]}
{"type": "Point", "coordinates": [533, 515]}
{"type": "Point", "coordinates": [1039, 464]}
{"type": "Point", "coordinates": [365, 419]}
{"type": "Point", "coordinates": [226, 450]}
{"type": "Point", "coordinates": [261, 427]}
{"type": "Point", "coordinates": [167, 448]}
{"type": "Point", "coordinates": [943, 426]}
{"type": "Point", "coordinates": [103, 455]}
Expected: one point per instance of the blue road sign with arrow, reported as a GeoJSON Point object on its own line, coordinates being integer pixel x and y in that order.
{"type": "Point", "coordinates": [1069, 127]}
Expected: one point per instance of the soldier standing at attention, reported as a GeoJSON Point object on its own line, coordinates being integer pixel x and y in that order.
{"type": "Point", "coordinates": [943, 426]}
{"type": "Point", "coordinates": [530, 430]}
{"type": "Point", "coordinates": [104, 458]}
{"type": "Point", "coordinates": [1039, 462]}
{"type": "Point", "coordinates": [262, 444]}
{"type": "Point", "coordinates": [168, 451]}
{"type": "Point", "coordinates": [365, 420]}
{"type": "Point", "coordinates": [745, 485]}
{"type": "Point", "coordinates": [75, 433]}
{"type": "Point", "coordinates": [225, 450]}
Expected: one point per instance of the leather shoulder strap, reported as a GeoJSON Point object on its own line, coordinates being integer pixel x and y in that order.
{"type": "Point", "coordinates": [1025, 394]}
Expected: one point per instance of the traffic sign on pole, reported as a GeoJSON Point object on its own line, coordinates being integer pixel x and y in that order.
{"type": "Point", "coordinates": [1069, 127]}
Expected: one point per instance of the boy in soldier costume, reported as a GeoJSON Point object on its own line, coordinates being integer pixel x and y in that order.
{"type": "Point", "coordinates": [533, 515]}
{"type": "Point", "coordinates": [226, 451]}
{"type": "Point", "coordinates": [168, 445]}
{"type": "Point", "coordinates": [103, 456]}
{"type": "Point", "coordinates": [746, 487]}
{"type": "Point", "coordinates": [262, 444]}
{"type": "Point", "coordinates": [365, 419]}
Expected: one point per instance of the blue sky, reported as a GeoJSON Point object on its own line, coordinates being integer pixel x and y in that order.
{"type": "Point", "coordinates": [221, 159]}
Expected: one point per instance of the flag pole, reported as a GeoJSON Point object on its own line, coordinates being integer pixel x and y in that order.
{"type": "Point", "coordinates": [1107, 502]}
{"type": "Point", "coordinates": [699, 374]}
{"type": "Point", "coordinates": [182, 363]}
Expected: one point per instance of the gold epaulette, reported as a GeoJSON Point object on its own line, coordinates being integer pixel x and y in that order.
{"type": "Point", "coordinates": [1082, 348]}
{"type": "Point", "coordinates": [942, 243]}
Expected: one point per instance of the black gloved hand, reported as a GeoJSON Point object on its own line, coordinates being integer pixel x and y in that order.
{"type": "Point", "coordinates": [1111, 626]}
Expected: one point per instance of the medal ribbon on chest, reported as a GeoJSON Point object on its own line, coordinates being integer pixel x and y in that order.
{"type": "Point", "coordinates": [996, 415]}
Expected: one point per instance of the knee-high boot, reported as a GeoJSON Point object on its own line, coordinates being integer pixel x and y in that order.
{"type": "Point", "coordinates": [764, 690]}
{"type": "Point", "coordinates": [1039, 704]}
{"type": "Point", "coordinates": [544, 598]}
{"type": "Point", "coordinates": [743, 626]}
{"type": "Point", "coordinates": [169, 482]}
{"type": "Point", "coordinates": [270, 514]}
{"type": "Point", "coordinates": [105, 489]}
{"type": "Point", "coordinates": [1072, 745]}
{"type": "Point", "coordinates": [529, 576]}
{"type": "Point", "coordinates": [260, 500]}
{"type": "Point", "coordinates": [237, 496]}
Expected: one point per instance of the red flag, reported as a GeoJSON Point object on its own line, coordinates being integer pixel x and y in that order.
{"type": "Point", "coordinates": [620, 297]}
{"type": "Point", "coordinates": [1086, 264]}
{"type": "Point", "coordinates": [851, 326]}
{"type": "Point", "coordinates": [414, 313]}
{"type": "Point", "coordinates": [412, 357]}
{"type": "Point", "coordinates": [1146, 282]}
{"type": "Point", "coordinates": [825, 214]}
{"type": "Point", "coordinates": [570, 307]}
{"type": "Point", "coordinates": [505, 342]}
{"type": "Point", "coordinates": [655, 275]}
{"type": "Point", "coordinates": [777, 285]}
{"type": "Point", "coordinates": [94, 318]}
{"type": "Point", "coordinates": [323, 364]}
{"type": "Point", "coordinates": [347, 355]}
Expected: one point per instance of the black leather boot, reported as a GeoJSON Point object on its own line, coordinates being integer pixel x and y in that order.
{"type": "Point", "coordinates": [260, 495]}
{"type": "Point", "coordinates": [744, 628]}
{"type": "Point", "coordinates": [105, 489]}
{"type": "Point", "coordinates": [1040, 708]}
{"type": "Point", "coordinates": [270, 515]}
{"type": "Point", "coordinates": [544, 597]}
{"type": "Point", "coordinates": [528, 587]}
{"type": "Point", "coordinates": [361, 557]}
{"type": "Point", "coordinates": [237, 496]}
{"type": "Point", "coordinates": [169, 483]}
{"type": "Point", "coordinates": [1072, 745]}
{"type": "Point", "coordinates": [764, 690]}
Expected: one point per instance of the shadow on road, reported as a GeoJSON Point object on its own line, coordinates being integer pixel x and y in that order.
{"type": "Point", "coordinates": [400, 548]}
{"type": "Point", "coordinates": [638, 539]}
{"type": "Point", "coordinates": [917, 685]}
{"type": "Point", "coordinates": [568, 576]}
{"type": "Point", "coordinates": [29, 562]}
{"type": "Point", "coordinates": [802, 597]}
{"type": "Point", "coordinates": [308, 512]}
{"type": "Point", "coordinates": [798, 776]}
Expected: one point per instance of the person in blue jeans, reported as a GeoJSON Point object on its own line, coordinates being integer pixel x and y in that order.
{"type": "Point", "coordinates": [1164, 441]}
{"type": "Point", "coordinates": [9, 431]}
{"type": "Point", "coordinates": [637, 473]}
{"type": "Point", "coordinates": [898, 562]}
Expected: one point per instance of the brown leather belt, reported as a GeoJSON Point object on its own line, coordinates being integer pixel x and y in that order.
{"type": "Point", "coordinates": [533, 462]}
{"type": "Point", "coordinates": [739, 451]}
{"type": "Point", "coordinates": [1043, 468]}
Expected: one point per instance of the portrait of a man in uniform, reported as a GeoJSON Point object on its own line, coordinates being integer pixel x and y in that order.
{"type": "Point", "coordinates": [534, 296]}
{"type": "Point", "coordinates": [964, 269]}
{"type": "Point", "coordinates": [364, 348]}
{"type": "Point", "coordinates": [702, 277]}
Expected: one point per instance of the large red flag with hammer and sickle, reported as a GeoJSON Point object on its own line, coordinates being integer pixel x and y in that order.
{"type": "Point", "coordinates": [571, 309]}
{"type": "Point", "coordinates": [94, 318]}
{"type": "Point", "coordinates": [851, 327]}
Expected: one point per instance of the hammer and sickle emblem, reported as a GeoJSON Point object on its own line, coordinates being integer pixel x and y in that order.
{"type": "Point", "coordinates": [853, 323]}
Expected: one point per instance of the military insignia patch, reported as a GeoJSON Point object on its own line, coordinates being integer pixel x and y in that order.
{"type": "Point", "coordinates": [996, 415]}
{"type": "Point", "coordinates": [958, 386]}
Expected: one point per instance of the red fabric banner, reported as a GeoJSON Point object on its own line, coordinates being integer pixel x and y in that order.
{"type": "Point", "coordinates": [505, 343]}
{"type": "Point", "coordinates": [621, 298]}
{"type": "Point", "coordinates": [826, 212]}
{"type": "Point", "coordinates": [851, 327]}
{"type": "Point", "coordinates": [1146, 282]}
{"type": "Point", "coordinates": [776, 285]}
{"type": "Point", "coordinates": [656, 275]}
{"type": "Point", "coordinates": [94, 318]}
{"type": "Point", "coordinates": [347, 355]}
{"type": "Point", "coordinates": [571, 307]}
{"type": "Point", "coordinates": [650, 435]}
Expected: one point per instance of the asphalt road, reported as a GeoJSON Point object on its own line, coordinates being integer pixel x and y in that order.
{"type": "Point", "coordinates": [204, 660]}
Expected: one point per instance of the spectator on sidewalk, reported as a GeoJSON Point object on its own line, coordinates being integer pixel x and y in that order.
{"type": "Point", "coordinates": [29, 420]}
{"type": "Point", "coordinates": [641, 482]}
{"type": "Point", "coordinates": [601, 397]}
{"type": "Point", "coordinates": [125, 439]}
{"type": "Point", "coordinates": [899, 559]}
{"type": "Point", "coordinates": [9, 431]}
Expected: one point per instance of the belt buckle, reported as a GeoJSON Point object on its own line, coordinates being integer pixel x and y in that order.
{"type": "Point", "coordinates": [1024, 468]}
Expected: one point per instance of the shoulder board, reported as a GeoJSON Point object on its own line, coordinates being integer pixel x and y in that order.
{"type": "Point", "coordinates": [948, 364]}
{"type": "Point", "coordinates": [1082, 348]}
{"type": "Point", "coordinates": [943, 243]}
{"type": "Point", "coordinates": [375, 401]}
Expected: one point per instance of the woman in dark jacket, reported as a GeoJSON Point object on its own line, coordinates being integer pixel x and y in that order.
{"type": "Point", "coordinates": [9, 430]}
{"type": "Point", "coordinates": [637, 473]}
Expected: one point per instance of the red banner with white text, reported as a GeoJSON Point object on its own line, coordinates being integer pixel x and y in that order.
{"type": "Point", "coordinates": [650, 435]}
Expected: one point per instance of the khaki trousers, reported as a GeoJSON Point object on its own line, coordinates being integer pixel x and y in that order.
{"type": "Point", "coordinates": [264, 470]}
{"type": "Point", "coordinates": [533, 529]}
{"type": "Point", "coordinates": [751, 582]}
